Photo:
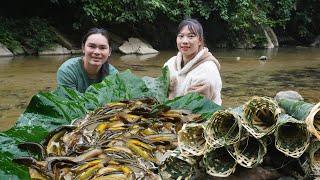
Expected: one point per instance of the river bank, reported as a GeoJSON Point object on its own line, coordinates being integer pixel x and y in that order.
{"type": "Point", "coordinates": [44, 36]}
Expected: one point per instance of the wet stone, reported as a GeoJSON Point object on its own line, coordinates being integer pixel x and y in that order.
{"type": "Point", "coordinates": [288, 95]}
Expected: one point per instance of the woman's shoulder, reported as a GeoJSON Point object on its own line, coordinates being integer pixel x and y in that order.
{"type": "Point", "coordinates": [207, 67]}
{"type": "Point", "coordinates": [170, 61]}
{"type": "Point", "coordinates": [71, 62]}
{"type": "Point", "coordinates": [112, 69]}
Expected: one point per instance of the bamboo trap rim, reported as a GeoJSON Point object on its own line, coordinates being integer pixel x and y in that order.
{"type": "Point", "coordinates": [214, 171]}
{"type": "Point", "coordinates": [244, 160]}
{"type": "Point", "coordinates": [217, 139]}
{"type": "Point", "coordinates": [252, 111]}
{"type": "Point", "coordinates": [170, 169]}
{"type": "Point", "coordinates": [194, 147]}
{"type": "Point", "coordinates": [295, 154]}
{"type": "Point", "coordinates": [174, 158]}
{"type": "Point", "coordinates": [310, 121]}
{"type": "Point", "coordinates": [315, 166]}
{"type": "Point", "coordinates": [281, 142]}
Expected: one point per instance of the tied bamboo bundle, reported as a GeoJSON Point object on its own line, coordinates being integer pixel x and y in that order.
{"type": "Point", "coordinates": [223, 128]}
{"type": "Point", "coordinates": [191, 141]}
{"type": "Point", "coordinates": [260, 115]}
{"type": "Point", "coordinates": [291, 136]}
{"type": "Point", "coordinates": [307, 112]}
{"type": "Point", "coordinates": [249, 151]}
{"type": "Point", "coordinates": [218, 162]}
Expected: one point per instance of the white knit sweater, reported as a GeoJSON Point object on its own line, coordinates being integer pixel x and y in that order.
{"type": "Point", "coordinates": [201, 74]}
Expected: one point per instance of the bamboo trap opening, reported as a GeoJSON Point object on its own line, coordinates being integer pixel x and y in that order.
{"type": "Point", "coordinates": [264, 119]}
{"type": "Point", "coordinates": [176, 167]}
{"type": "Point", "coordinates": [249, 148]}
{"type": "Point", "coordinates": [223, 129]}
{"type": "Point", "coordinates": [292, 139]}
{"type": "Point", "coordinates": [292, 135]}
{"type": "Point", "coordinates": [315, 163]}
{"type": "Point", "coordinates": [316, 121]}
{"type": "Point", "coordinates": [191, 140]}
{"type": "Point", "coordinates": [227, 126]}
{"type": "Point", "coordinates": [260, 116]}
{"type": "Point", "coordinates": [313, 121]}
{"type": "Point", "coordinates": [218, 162]}
{"type": "Point", "coordinates": [249, 152]}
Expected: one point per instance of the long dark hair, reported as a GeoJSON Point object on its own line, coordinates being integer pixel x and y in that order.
{"type": "Point", "coordinates": [194, 26]}
{"type": "Point", "coordinates": [95, 30]}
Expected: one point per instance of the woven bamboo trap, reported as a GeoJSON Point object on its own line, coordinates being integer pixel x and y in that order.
{"type": "Point", "coordinates": [177, 166]}
{"type": "Point", "coordinates": [191, 141]}
{"type": "Point", "coordinates": [314, 158]}
{"type": "Point", "coordinates": [218, 162]}
{"type": "Point", "coordinates": [291, 136]}
{"type": "Point", "coordinates": [249, 152]}
{"type": "Point", "coordinates": [223, 129]}
{"type": "Point", "coordinates": [260, 115]}
{"type": "Point", "coordinates": [310, 113]}
{"type": "Point", "coordinates": [313, 121]}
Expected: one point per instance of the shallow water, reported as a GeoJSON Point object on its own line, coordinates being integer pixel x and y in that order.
{"type": "Point", "coordinates": [242, 74]}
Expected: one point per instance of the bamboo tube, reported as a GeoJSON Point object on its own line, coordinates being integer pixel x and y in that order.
{"type": "Point", "coordinates": [301, 110]}
{"type": "Point", "coordinates": [249, 151]}
{"type": "Point", "coordinates": [177, 166]}
{"type": "Point", "coordinates": [223, 128]}
{"type": "Point", "coordinates": [291, 136]}
{"type": "Point", "coordinates": [260, 115]}
{"type": "Point", "coordinates": [218, 162]}
{"type": "Point", "coordinates": [191, 141]}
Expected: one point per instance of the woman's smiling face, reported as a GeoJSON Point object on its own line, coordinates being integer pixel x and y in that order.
{"type": "Point", "coordinates": [96, 49]}
{"type": "Point", "coordinates": [188, 43]}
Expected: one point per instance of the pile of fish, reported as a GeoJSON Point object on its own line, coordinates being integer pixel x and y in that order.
{"type": "Point", "coordinates": [130, 139]}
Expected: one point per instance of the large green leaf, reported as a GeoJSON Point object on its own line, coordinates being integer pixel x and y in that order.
{"type": "Point", "coordinates": [49, 110]}
{"type": "Point", "coordinates": [297, 109]}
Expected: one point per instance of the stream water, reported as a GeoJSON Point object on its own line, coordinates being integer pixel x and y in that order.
{"type": "Point", "coordinates": [242, 75]}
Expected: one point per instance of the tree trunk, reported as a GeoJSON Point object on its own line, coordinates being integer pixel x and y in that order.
{"type": "Point", "coordinates": [270, 44]}
{"type": "Point", "coordinates": [271, 37]}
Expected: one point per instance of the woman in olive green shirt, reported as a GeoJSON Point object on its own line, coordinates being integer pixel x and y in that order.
{"type": "Point", "coordinates": [80, 72]}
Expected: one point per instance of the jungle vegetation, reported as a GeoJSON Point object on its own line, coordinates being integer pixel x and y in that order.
{"type": "Point", "coordinates": [224, 21]}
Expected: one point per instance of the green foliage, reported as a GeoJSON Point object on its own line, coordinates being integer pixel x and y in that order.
{"type": "Point", "coordinates": [130, 11]}
{"type": "Point", "coordinates": [243, 17]}
{"type": "Point", "coordinates": [283, 10]}
{"type": "Point", "coordinates": [307, 18]}
{"type": "Point", "coordinates": [33, 33]}
{"type": "Point", "coordinates": [37, 34]}
{"type": "Point", "coordinates": [6, 36]}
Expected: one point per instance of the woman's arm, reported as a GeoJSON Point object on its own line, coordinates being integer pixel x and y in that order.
{"type": "Point", "coordinates": [204, 88]}
{"type": "Point", "coordinates": [206, 81]}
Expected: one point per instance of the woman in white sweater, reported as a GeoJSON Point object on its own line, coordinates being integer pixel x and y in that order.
{"type": "Point", "coordinates": [194, 68]}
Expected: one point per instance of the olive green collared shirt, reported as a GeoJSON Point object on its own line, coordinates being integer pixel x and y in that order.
{"type": "Point", "coordinates": [72, 74]}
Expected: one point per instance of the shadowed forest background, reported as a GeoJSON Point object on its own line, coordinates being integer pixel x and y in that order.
{"type": "Point", "coordinates": [240, 24]}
